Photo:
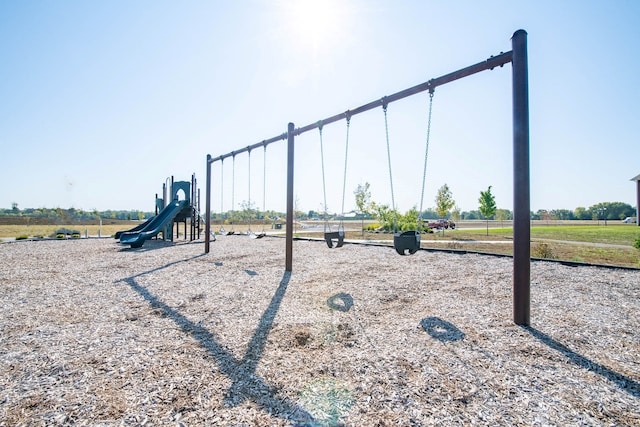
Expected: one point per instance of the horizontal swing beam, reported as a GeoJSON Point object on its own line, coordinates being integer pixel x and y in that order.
{"type": "Point", "coordinates": [490, 63]}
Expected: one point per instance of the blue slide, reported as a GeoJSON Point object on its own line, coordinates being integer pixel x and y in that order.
{"type": "Point", "coordinates": [157, 224]}
{"type": "Point", "coordinates": [136, 228]}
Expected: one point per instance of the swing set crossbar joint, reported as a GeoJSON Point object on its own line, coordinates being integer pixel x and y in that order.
{"type": "Point", "coordinates": [247, 149]}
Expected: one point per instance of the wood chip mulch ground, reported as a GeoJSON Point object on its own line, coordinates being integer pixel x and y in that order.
{"type": "Point", "coordinates": [94, 333]}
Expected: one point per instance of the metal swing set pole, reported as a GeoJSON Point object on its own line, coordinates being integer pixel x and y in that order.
{"type": "Point", "coordinates": [521, 222]}
{"type": "Point", "coordinates": [521, 182]}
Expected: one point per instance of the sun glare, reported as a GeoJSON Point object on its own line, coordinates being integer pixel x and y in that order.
{"type": "Point", "coordinates": [317, 24]}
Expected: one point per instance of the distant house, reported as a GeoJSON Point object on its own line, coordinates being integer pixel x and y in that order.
{"type": "Point", "coordinates": [637, 180]}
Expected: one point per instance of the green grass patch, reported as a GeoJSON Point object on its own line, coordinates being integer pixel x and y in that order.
{"type": "Point", "coordinates": [597, 255]}
{"type": "Point", "coordinates": [611, 234]}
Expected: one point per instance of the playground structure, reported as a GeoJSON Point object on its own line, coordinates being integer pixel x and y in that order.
{"type": "Point", "coordinates": [179, 210]}
{"type": "Point", "coordinates": [521, 209]}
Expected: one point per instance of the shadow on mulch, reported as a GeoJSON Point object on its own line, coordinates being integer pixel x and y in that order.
{"type": "Point", "coordinates": [441, 329]}
{"type": "Point", "coordinates": [149, 245]}
{"type": "Point", "coordinates": [622, 381]}
{"type": "Point", "coordinates": [340, 302]}
{"type": "Point", "coordinates": [246, 384]}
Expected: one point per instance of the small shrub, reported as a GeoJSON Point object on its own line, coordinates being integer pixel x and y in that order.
{"type": "Point", "coordinates": [371, 227]}
{"type": "Point", "coordinates": [543, 250]}
{"type": "Point", "coordinates": [22, 237]}
{"type": "Point", "coordinates": [454, 245]}
{"type": "Point", "coordinates": [636, 244]}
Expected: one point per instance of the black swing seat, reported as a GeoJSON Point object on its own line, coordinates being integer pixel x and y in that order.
{"type": "Point", "coordinates": [223, 232]}
{"type": "Point", "coordinates": [406, 243]}
{"type": "Point", "coordinates": [256, 235]}
{"type": "Point", "coordinates": [334, 237]}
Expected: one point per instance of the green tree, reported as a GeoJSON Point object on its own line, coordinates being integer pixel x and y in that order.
{"type": "Point", "coordinates": [456, 214]}
{"type": "Point", "coordinates": [543, 215]}
{"type": "Point", "coordinates": [611, 210]}
{"type": "Point", "coordinates": [503, 215]}
{"type": "Point", "coordinates": [581, 213]}
{"type": "Point", "coordinates": [384, 216]}
{"type": "Point", "coordinates": [247, 210]}
{"type": "Point", "coordinates": [363, 201]}
{"type": "Point", "coordinates": [471, 215]}
{"type": "Point", "coordinates": [391, 220]}
{"type": "Point", "coordinates": [562, 214]}
{"type": "Point", "coordinates": [487, 205]}
{"type": "Point", "coordinates": [444, 201]}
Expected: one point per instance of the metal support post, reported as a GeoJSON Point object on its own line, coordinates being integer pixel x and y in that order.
{"type": "Point", "coordinates": [521, 197]}
{"type": "Point", "coordinates": [207, 226]}
{"type": "Point", "coordinates": [289, 230]}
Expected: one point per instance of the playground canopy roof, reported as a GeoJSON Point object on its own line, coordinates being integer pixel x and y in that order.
{"type": "Point", "coordinates": [635, 178]}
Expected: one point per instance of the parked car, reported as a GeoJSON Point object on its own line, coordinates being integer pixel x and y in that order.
{"type": "Point", "coordinates": [629, 220]}
{"type": "Point", "coordinates": [442, 223]}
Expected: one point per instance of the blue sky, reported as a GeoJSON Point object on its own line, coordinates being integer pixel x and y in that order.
{"type": "Point", "coordinates": [101, 102]}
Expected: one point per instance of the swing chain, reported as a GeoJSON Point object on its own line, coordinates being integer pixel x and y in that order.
{"type": "Point", "coordinates": [222, 186]}
{"type": "Point", "coordinates": [426, 156]}
{"type": "Point", "coordinates": [249, 190]}
{"type": "Point", "coordinates": [233, 188]}
{"type": "Point", "coordinates": [344, 179]}
{"type": "Point", "coordinates": [264, 185]}
{"type": "Point", "coordinates": [324, 187]}
{"type": "Point", "coordinates": [222, 213]}
{"type": "Point", "coordinates": [386, 131]}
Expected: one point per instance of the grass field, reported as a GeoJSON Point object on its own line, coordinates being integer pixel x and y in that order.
{"type": "Point", "coordinates": [611, 234]}
{"type": "Point", "coordinates": [13, 231]}
{"type": "Point", "coordinates": [597, 244]}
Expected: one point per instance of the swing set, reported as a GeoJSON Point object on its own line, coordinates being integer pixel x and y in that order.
{"type": "Point", "coordinates": [249, 232]}
{"type": "Point", "coordinates": [408, 242]}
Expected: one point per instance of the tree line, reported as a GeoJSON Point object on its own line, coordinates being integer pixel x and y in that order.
{"type": "Point", "coordinates": [73, 215]}
{"type": "Point", "coordinates": [445, 208]}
